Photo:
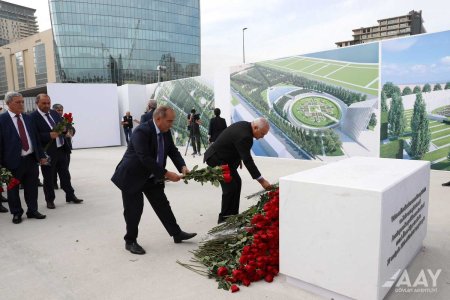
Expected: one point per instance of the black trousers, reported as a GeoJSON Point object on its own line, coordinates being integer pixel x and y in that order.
{"type": "Point", "coordinates": [58, 164]}
{"type": "Point", "coordinates": [28, 174]}
{"type": "Point", "coordinates": [195, 140]}
{"type": "Point", "coordinates": [133, 205]}
{"type": "Point", "coordinates": [231, 192]}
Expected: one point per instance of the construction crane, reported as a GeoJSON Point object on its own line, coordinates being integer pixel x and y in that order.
{"type": "Point", "coordinates": [133, 42]}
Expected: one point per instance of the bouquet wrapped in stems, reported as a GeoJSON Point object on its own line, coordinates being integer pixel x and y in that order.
{"type": "Point", "coordinates": [7, 178]}
{"type": "Point", "coordinates": [60, 127]}
{"type": "Point", "coordinates": [209, 174]}
{"type": "Point", "coordinates": [244, 249]}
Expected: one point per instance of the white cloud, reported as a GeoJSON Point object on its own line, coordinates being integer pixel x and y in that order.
{"type": "Point", "coordinates": [421, 69]}
{"type": "Point", "coordinates": [398, 45]}
{"type": "Point", "coordinates": [446, 60]}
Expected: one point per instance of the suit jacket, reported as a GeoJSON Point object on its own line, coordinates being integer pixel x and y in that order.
{"type": "Point", "coordinates": [233, 145]}
{"type": "Point", "coordinates": [139, 161]}
{"type": "Point", "coordinates": [147, 116]}
{"type": "Point", "coordinates": [44, 129]}
{"type": "Point", "coordinates": [129, 121]}
{"type": "Point", "coordinates": [10, 144]}
{"type": "Point", "coordinates": [216, 126]}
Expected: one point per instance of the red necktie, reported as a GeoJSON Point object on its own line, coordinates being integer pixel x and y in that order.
{"type": "Point", "coordinates": [22, 133]}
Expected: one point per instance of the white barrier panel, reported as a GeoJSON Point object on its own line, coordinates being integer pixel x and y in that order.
{"type": "Point", "coordinates": [95, 112]}
{"type": "Point", "coordinates": [347, 228]}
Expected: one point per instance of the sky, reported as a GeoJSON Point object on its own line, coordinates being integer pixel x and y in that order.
{"type": "Point", "coordinates": [417, 60]}
{"type": "Point", "coordinates": [280, 28]}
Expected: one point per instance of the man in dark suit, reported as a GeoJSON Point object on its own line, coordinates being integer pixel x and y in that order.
{"type": "Point", "coordinates": [194, 123]}
{"type": "Point", "coordinates": [216, 126]}
{"type": "Point", "coordinates": [231, 147]}
{"type": "Point", "coordinates": [151, 106]}
{"type": "Point", "coordinates": [142, 170]}
{"type": "Point", "coordinates": [45, 120]}
{"type": "Point", "coordinates": [20, 152]}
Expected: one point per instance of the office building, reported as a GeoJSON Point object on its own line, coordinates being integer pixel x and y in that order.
{"type": "Point", "coordinates": [409, 24]}
{"type": "Point", "coordinates": [16, 22]}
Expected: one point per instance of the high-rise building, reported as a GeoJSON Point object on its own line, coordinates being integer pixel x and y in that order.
{"type": "Point", "coordinates": [136, 41]}
{"type": "Point", "coordinates": [409, 24]}
{"type": "Point", "coordinates": [16, 22]}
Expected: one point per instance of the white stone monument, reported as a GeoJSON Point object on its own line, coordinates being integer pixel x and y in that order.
{"type": "Point", "coordinates": [347, 228]}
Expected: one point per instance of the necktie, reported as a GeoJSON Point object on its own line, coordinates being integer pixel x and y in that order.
{"type": "Point", "coordinates": [160, 150]}
{"type": "Point", "coordinates": [61, 140]}
{"type": "Point", "coordinates": [22, 134]}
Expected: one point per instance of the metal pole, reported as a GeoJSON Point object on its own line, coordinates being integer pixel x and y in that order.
{"type": "Point", "coordinates": [243, 44]}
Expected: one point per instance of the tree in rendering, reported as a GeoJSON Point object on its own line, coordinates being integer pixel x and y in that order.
{"type": "Point", "coordinates": [420, 137]}
{"type": "Point", "coordinates": [396, 118]}
{"type": "Point", "coordinates": [416, 89]}
{"type": "Point", "coordinates": [426, 88]}
{"type": "Point", "coordinates": [407, 91]}
{"type": "Point", "coordinates": [389, 88]}
{"type": "Point", "coordinates": [437, 87]}
{"type": "Point", "coordinates": [447, 86]}
{"type": "Point", "coordinates": [384, 107]}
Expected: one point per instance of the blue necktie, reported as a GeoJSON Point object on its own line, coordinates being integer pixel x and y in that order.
{"type": "Point", "coordinates": [61, 140]}
{"type": "Point", "coordinates": [160, 150]}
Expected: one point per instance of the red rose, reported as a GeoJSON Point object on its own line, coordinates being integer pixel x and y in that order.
{"type": "Point", "coordinates": [234, 288]}
{"type": "Point", "coordinates": [225, 168]}
{"type": "Point", "coordinates": [1, 190]}
{"type": "Point", "coordinates": [226, 178]}
{"type": "Point", "coordinates": [246, 282]}
{"type": "Point", "coordinates": [222, 271]}
{"type": "Point", "coordinates": [268, 278]}
{"type": "Point", "coordinates": [13, 183]}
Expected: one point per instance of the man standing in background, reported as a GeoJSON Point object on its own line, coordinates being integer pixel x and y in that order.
{"type": "Point", "coordinates": [127, 124]}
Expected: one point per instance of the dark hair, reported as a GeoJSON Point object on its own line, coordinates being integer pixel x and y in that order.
{"type": "Point", "coordinates": [217, 112]}
{"type": "Point", "coordinates": [193, 111]}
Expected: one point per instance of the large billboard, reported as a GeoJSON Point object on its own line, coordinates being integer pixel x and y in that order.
{"type": "Point", "coordinates": [320, 106]}
{"type": "Point", "coordinates": [415, 99]}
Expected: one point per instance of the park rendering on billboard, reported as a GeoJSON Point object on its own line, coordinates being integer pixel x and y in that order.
{"type": "Point", "coordinates": [321, 106]}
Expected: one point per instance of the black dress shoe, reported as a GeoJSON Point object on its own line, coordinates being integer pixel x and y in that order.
{"type": "Point", "coordinates": [134, 248]}
{"type": "Point", "coordinates": [51, 205]}
{"type": "Point", "coordinates": [182, 236]}
{"type": "Point", "coordinates": [3, 199]}
{"type": "Point", "coordinates": [74, 199]}
{"type": "Point", "coordinates": [3, 209]}
{"type": "Point", "coordinates": [35, 215]}
{"type": "Point", "coordinates": [446, 183]}
{"type": "Point", "coordinates": [17, 219]}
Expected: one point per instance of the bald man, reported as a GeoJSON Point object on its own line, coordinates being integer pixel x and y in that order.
{"type": "Point", "coordinates": [231, 147]}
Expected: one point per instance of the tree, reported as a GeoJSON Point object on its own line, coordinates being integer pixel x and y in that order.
{"type": "Point", "coordinates": [426, 88]}
{"type": "Point", "coordinates": [373, 120]}
{"type": "Point", "coordinates": [447, 86]}
{"type": "Point", "coordinates": [407, 91]}
{"type": "Point", "coordinates": [384, 107]}
{"type": "Point", "coordinates": [437, 87]}
{"type": "Point", "coordinates": [420, 137]}
{"type": "Point", "coordinates": [416, 89]}
{"type": "Point", "coordinates": [389, 88]}
{"type": "Point", "coordinates": [396, 118]}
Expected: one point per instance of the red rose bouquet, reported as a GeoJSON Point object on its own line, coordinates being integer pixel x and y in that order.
{"type": "Point", "coordinates": [244, 249]}
{"type": "Point", "coordinates": [7, 178]}
{"type": "Point", "coordinates": [66, 120]}
{"type": "Point", "coordinates": [209, 174]}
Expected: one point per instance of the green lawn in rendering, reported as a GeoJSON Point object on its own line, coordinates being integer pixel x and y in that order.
{"type": "Point", "coordinates": [314, 111]}
{"type": "Point", "coordinates": [356, 75]}
{"type": "Point", "coordinates": [393, 149]}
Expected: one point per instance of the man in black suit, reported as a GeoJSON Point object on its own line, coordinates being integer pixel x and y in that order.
{"type": "Point", "coordinates": [142, 170]}
{"type": "Point", "coordinates": [194, 123]}
{"type": "Point", "coordinates": [231, 147]}
{"type": "Point", "coordinates": [151, 106]}
{"type": "Point", "coordinates": [45, 120]}
{"type": "Point", "coordinates": [216, 126]}
{"type": "Point", "coordinates": [20, 152]}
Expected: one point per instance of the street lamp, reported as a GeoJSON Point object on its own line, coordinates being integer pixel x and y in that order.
{"type": "Point", "coordinates": [243, 44]}
{"type": "Point", "coordinates": [12, 67]}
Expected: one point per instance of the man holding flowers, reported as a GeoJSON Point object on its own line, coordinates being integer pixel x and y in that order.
{"type": "Point", "coordinates": [231, 147]}
{"type": "Point", "coordinates": [20, 152]}
{"type": "Point", "coordinates": [142, 171]}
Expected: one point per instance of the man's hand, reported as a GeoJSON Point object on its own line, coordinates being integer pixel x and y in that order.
{"type": "Point", "coordinates": [53, 134]}
{"type": "Point", "coordinates": [43, 161]}
{"type": "Point", "coordinates": [184, 170]}
{"type": "Point", "coordinates": [171, 176]}
{"type": "Point", "coordinates": [265, 184]}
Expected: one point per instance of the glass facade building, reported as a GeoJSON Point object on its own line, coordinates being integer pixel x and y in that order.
{"type": "Point", "coordinates": [134, 41]}
{"type": "Point", "coordinates": [40, 64]}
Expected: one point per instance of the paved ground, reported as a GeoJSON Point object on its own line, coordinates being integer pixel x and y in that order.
{"type": "Point", "coordinates": [78, 251]}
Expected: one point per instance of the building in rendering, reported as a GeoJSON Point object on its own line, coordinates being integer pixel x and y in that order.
{"type": "Point", "coordinates": [139, 41]}
{"type": "Point", "coordinates": [16, 22]}
{"type": "Point", "coordinates": [405, 25]}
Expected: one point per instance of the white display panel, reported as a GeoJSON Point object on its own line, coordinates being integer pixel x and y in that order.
{"type": "Point", "coordinates": [95, 112]}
